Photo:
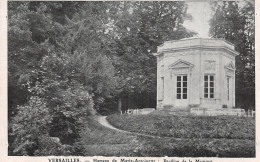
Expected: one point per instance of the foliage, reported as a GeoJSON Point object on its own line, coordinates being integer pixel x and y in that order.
{"type": "Point", "coordinates": [68, 107]}
{"type": "Point", "coordinates": [51, 146]}
{"type": "Point", "coordinates": [41, 66]}
{"type": "Point", "coordinates": [139, 31]}
{"type": "Point", "coordinates": [72, 56]}
{"type": "Point", "coordinates": [23, 54]}
{"type": "Point", "coordinates": [136, 29]}
{"type": "Point", "coordinates": [91, 57]}
{"type": "Point", "coordinates": [31, 122]}
{"type": "Point", "coordinates": [187, 126]}
{"type": "Point", "coordinates": [235, 22]}
{"type": "Point", "coordinates": [67, 58]}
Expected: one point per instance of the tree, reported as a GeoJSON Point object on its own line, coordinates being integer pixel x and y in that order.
{"type": "Point", "coordinates": [69, 57]}
{"type": "Point", "coordinates": [234, 21]}
{"type": "Point", "coordinates": [40, 66]}
{"type": "Point", "coordinates": [138, 29]}
{"type": "Point", "coordinates": [89, 45]}
{"type": "Point", "coordinates": [69, 66]}
{"type": "Point", "coordinates": [32, 27]}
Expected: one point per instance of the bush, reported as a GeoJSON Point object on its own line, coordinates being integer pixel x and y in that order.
{"type": "Point", "coordinates": [31, 122]}
{"type": "Point", "coordinates": [52, 146]}
{"type": "Point", "coordinates": [58, 112]}
{"type": "Point", "coordinates": [69, 109]}
{"type": "Point", "coordinates": [65, 128]}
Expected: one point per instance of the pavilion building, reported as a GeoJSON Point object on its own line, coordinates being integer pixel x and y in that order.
{"type": "Point", "coordinates": [196, 72]}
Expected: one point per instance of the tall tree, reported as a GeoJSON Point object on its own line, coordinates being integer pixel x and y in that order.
{"type": "Point", "coordinates": [234, 21]}
{"type": "Point", "coordinates": [138, 29]}
{"type": "Point", "coordinates": [69, 56]}
{"type": "Point", "coordinates": [90, 47]}
{"type": "Point", "coordinates": [41, 67]}
{"type": "Point", "coordinates": [32, 27]}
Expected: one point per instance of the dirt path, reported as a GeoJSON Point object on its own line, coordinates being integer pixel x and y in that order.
{"type": "Point", "coordinates": [103, 121]}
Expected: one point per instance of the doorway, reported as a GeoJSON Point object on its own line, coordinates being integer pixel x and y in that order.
{"type": "Point", "coordinates": [181, 91]}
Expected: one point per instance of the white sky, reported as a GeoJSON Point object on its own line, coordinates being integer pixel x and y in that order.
{"type": "Point", "coordinates": [201, 13]}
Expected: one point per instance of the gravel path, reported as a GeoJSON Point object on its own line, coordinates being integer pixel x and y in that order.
{"type": "Point", "coordinates": [103, 121]}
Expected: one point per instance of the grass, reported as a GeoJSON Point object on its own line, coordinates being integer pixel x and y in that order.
{"type": "Point", "coordinates": [159, 147]}
{"type": "Point", "coordinates": [97, 140]}
{"type": "Point", "coordinates": [187, 126]}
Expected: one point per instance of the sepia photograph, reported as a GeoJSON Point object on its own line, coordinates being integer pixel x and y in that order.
{"type": "Point", "coordinates": [131, 79]}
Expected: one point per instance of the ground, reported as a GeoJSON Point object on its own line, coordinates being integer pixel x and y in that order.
{"type": "Point", "coordinates": [142, 136]}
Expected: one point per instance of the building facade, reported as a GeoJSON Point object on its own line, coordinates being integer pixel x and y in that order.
{"type": "Point", "coordinates": [196, 72]}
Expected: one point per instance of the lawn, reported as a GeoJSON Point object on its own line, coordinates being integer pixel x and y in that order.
{"type": "Point", "coordinates": [97, 140]}
{"type": "Point", "coordinates": [228, 127]}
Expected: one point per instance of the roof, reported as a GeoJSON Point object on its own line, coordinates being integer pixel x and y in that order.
{"type": "Point", "coordinates": [195, 42]}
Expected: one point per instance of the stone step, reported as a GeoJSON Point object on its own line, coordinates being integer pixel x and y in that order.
{"type": "Point", "coordinates": [178, 112]}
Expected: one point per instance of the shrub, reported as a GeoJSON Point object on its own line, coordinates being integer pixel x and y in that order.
{"type": "Point", "coordinates": [56, 110]}
{"type": "Point", "coordinates": [73, 105]}
{"type": "Point", "coordinates": [31, 122]}
{"type": "Point", "coordinates": [52, 146]}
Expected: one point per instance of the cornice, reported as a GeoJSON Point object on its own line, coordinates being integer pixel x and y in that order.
{"type": "Point", "coordinates": [200, 47]}
{"type": "Point", "coordinates": [202, 41]}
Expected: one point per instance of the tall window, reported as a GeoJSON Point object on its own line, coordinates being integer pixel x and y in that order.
{"type": "Point", "coordinates": [228, 88]}
{"type": "Point", "coordinates": [209, 86]}
{"type": "Point", "coordinates": [182, 87]}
